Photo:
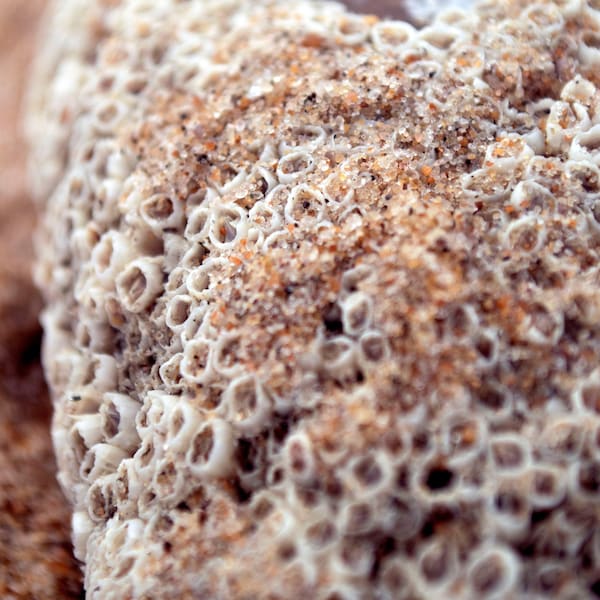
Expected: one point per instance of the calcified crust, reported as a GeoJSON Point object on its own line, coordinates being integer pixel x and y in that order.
{"type": "Point", "coordinates": [323, 315]}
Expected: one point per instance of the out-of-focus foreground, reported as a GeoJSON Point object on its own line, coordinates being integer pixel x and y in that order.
{"type": "Point", "coordinates": [35, 549]}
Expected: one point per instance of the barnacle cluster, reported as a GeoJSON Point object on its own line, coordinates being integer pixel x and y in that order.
{"type": "Point", "coordinates": [322, 297]}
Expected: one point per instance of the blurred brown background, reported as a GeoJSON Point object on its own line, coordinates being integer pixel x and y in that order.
{"type": "Point", "coordinates": [35, 549]}
{"type": "Point", "coordinates": [391, 9]}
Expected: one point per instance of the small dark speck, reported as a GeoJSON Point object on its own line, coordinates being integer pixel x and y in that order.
{"type": "Point", "coordinates": [332, 319]}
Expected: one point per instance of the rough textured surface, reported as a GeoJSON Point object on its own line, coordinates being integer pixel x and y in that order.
{"type": "Point", "coordinates": [35, 553]}
{"type": "Point", "coordinates": [322, 298]}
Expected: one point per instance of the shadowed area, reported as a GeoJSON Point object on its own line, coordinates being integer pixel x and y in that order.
{"type": "Point", "coordinates": [390, 9]}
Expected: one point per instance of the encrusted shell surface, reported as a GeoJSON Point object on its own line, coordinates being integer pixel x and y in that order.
{"type": "Point", "coordinates": [322, 297]}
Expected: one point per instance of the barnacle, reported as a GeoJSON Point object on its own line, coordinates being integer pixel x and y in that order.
{"type": "Point", "coordinates": [322, 314]}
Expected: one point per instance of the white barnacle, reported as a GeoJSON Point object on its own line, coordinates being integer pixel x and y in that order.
{"type": "Point", "coordinates": [390, 36]}
{"type": "Point", "coordinates": [227, 226]}
{"type": "Point", "coordinates": [357, 311]}
{"type": "Point", "coordinates": [295, 165]}
{"type": "Point", "coordinates": [81, 527]}
{"type": "Point", "coordinates": [169, 480]}
{"type": "Point", "coordinates": [198, 223]}
{"type": "Point", "coordinates": [246, 405]}
{"type": "Point", "coordinates": [338, 356]}
{"type": "Point", "coordinates": [437, 564]}
{"type": "Point", "coordinates": [352, 558]}
{"type": "Point", "coordinates": [305, 204]}
{"type": "Point", "coordinates": [531, 196]}
{"type": "Point", "coordinates": [547, 17]}
{"type": "Point", "coordinates": [170, 373]}
{"type": "Point", "coordinates": [373, 348]}
{"type": "Point", "coordinates": [321, 533]}
{"type": "Point", "coordinates": [178, 312]}
{"type": "Point", "coordinates": [510, 453]}
{"type": "Point", "coordinates": [118, 413]}
{"type": "Point", "coordinates": [177, 281]}
{"type": "Point", "coordinates": [107, 114]}
{"type": "Point", "coordinates": [491, 183]}
{"type": "Point", "coordinates": [210, 454]}
{"type": "Point", "coordinates": [564, 122]}
{"type": "Point", "coordinates": [441, 36]}
{"type": "Point", "coordinates": [526, 234]}
{"type": "Point", "coordinates": [495, 401]}
{"type": "Point", "coordinates": [145, 459]}
{"type": "Point", "coordinates": [543, 325]}
{"type": "Point", "coordinates": [184, 420]}
{"type": "Point", "coordinates": [139, 284]}
{"type": "Point", "coordinates": [205, 196]}
{"type": "Point", "coordinates": [493, 572]}
{"type": "Point", "coordinates": [305, 138]}
{"type": "Point", "coordinates": [561, 440]}
{"type": "Point", "coordinates": [368, 474]}
{"type": "Point", "coordinates": [202, 278]}
{"type": "Point", "coordinates": [265, 218]}
{"type": "Point", "coordinates": [580, 90]}
{"type": "Point", "coordinates": [510, 506]}
{"type": "Point", "coordinates": [152, 414]}
{"type": "Point", "coordinates": [161, 212]}
{"type": "Point", "coordinates": [298, 458]}
{"type": "Point", "coordinates": [586, 395]}
{"type": "Point", "coordinates": [101, 459]}
{"type": "Point", "coordinates": [585, 173]}
{"type": "Point", "coordinates": [396, 581]}
{"type": "Point", "coordinates": [593, 439]}
{"type": "Point", "coordinates": [196, 365]}
{"type": "Point", "coordinates": [464, 437]}
{"type": "Point", "coordinates": [232, 182]}
{"type": "Point", "coordinates": [336, 189]}
{"type": "Point", "coordinates": [586, 146]}
{"type": "Point", "coordinates": [468, 62]}
{"type": "Point", "coordinates": [86, 431]}
{"type": "Point", "coordinates": [228, 350]}
{"type": "Point", "coordinates": [101, 373]}
{"type": "Point", "coordinates": [351, 29]}
{"type": "Point", "coordinates": [197, 323]}
{"type": "Point", "coordinates": [589, 51]}
{"type": "Point", "coordinates": [352, 278]}
{"type": "Point", "coordinates": [548, 488]}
